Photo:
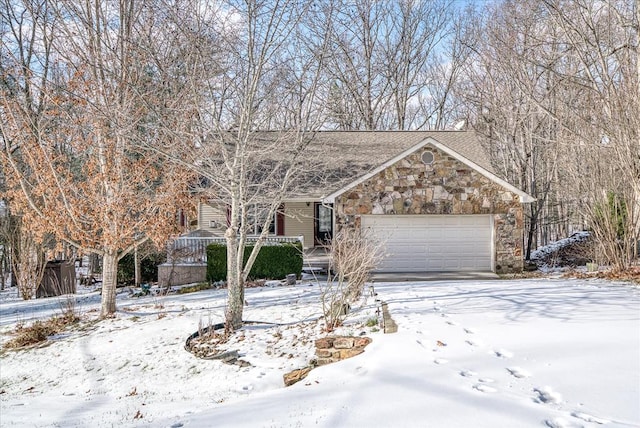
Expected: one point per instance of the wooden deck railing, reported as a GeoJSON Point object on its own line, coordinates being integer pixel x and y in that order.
{"type": "Point", "coordinates": [193, 250]}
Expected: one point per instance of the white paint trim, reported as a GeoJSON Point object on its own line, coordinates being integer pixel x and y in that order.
{"type": "Point", "coordinates": [492, 223]}
{"type": "Point", "coordinates": [524, 197]}
{"type": "Point", "coordinates": [302, 199]}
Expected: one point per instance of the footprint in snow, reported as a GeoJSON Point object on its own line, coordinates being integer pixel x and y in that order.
{"type": "Point", "coordinates": [547, 395]}
{"type": "Point", "coordinates": [557, 423]}
{"type": "Point", "coordinates": [361, 370]}
{"type": "Point", "coordinates": [503, 353]}
{"type": "Point", "coordinates": [469, 331]}
{"type": "Point", "coordinates": [247, 388]}
{"type": "Point", "coordinates": [472, 342]}
{"type": "Point", "coordinates": [452, 323]}
{"type": "Point", "coordinates": [484, 388]}
{"type": "Point", "coordinates": [588, 418]}
{"type": "Point", "coordinates": [440, 361]}
{"type": "Point", "coordinates": [486, 380]}
{"type": "Point", "coordinates": [518, 372]}
{"type": "Point", "coordinates": [468, 373]}
{"type": "Point", "coordinates": [419, 343]}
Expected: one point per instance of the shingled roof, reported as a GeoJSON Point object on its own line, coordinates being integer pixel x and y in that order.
{"type": "Point", "coordinates": [353, 154]}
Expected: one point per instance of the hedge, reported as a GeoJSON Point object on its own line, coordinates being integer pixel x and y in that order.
{"type": "Point", "coordinates": [148, 268]}
{"type": "Point", "coordinates": [273, 261]}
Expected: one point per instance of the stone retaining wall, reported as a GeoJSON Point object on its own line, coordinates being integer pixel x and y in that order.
{"type": "Point", "coordinates": [329, 350]}
{"type": "Point", "coordinates": [336, 348]}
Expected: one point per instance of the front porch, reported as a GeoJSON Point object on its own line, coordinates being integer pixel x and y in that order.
{"type": "Point", "coordinates": [187, 258]}
{"type": "Point", "coordinates": [316, 260]}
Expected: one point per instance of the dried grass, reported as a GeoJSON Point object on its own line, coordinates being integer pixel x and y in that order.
{"type": "Point", "coordinates": [40, 330]}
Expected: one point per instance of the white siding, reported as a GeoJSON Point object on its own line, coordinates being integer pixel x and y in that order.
{"type": "Point", "coordinates": [208, 216]}
{"type": "Point", "coordinates": [299, 221]}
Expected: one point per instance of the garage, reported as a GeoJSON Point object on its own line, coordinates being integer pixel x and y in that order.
{"type": "Point", "coordinates": [422, 243]}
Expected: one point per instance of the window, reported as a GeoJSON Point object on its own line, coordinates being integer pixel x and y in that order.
{"type": "Point", "coordinates": [427, 157]}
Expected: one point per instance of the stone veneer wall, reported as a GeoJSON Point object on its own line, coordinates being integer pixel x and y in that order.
{"type": "Point", "coordinates": [447, 186]}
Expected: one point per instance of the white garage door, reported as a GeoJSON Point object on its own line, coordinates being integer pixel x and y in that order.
{"type": "Point", "coordinates": [432, 242]}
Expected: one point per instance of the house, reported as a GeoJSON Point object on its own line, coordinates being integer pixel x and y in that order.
{"type": "Point", "coordinates": [431, 197]}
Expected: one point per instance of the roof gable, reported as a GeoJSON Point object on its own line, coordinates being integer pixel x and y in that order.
{"type": "Point", "coordinates": [348, 155]}
{"type": "Point", "coordinates": [524, 197]}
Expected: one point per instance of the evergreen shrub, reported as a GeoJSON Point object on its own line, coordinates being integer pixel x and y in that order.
{"type": "Point", "coordinates": [273, 261]}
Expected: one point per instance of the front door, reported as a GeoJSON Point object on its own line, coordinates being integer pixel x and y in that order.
{"type": "Point", "coordinates": [323, 224]}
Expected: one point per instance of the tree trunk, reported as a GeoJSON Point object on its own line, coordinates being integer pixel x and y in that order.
{"type": "Point", "coordinates": [136, 267]}
{"type": "Point", "coordinates": [92, 266]}
{"type": "Point", "coordinates": [235, 286]}
{"type": "Point", "coordinates": [109, 282]}
{"type": "Point", "coordinates": [3, 269]}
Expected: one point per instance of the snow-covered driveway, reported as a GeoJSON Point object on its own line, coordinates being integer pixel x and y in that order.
{"type": "Point", "coordinates": [511, 353]}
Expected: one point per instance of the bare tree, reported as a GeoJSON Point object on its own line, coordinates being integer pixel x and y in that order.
{"type": "Point", "coordinates": [379, 59]}
{"type": "Point", "coordinates": [601, 40]}
{"type": "Point", "coordinates": [415, 31]}
{"type": "Point", "coordinates": [554, 89]}
{"type": "Point", "coordinates": [354, 255]}
{"type": "Point", "coordinates": [242, 64]}
{"type": "Point", "coordinates": [85, 86]}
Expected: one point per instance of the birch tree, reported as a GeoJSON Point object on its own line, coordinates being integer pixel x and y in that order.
{"type": "Point", "coordinates": [242, 63]}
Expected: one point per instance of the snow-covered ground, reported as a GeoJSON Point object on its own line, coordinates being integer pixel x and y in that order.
{"type": "Point", "coordinates": [503, 353]}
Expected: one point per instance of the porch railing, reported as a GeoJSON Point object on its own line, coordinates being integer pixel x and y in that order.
{"type": "Point", "coordinates": [193, 250]}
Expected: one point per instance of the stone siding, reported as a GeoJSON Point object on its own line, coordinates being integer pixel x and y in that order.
{"type": "Point", "coordinates": [446, 186]}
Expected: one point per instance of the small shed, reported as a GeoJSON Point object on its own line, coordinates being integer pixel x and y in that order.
{"type": "Point", "coordinates": [59, 278]}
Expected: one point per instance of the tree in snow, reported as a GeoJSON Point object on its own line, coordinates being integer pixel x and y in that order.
{"type": "Point", "coordinates": [249, 72]}
{"type": "Point", "coordinates": [554, 86]}
{"type": "Point", "coordinates": [601, 40]}
{"type": "Point", "coordinates": [83, 84]}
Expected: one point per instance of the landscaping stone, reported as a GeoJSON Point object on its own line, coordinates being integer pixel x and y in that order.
{"type": "Point", "coordinates": [295, 376]}
{"type": "Point", "coordinates": [343, 342]}
{"type": "Point", "coordinates": [336, 348]}
{"type": "Point", "coordinates": [389, 324]}
{"type": "Point", "coordinates": [324, 343]}
{"type": "Point", "coordinates": [329, 350]}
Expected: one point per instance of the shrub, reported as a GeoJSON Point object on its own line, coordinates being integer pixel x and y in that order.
{"type": "Point", "coordinates": [353, 256]}
{"type": "Point", "coordinates": [371, 322]}
{"type": "Point", "coordinates": [216, 262]}
{"type": "Point", "coordinates": [148, 267]}
{"type": "Point", "coordinates": [273, 261]}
